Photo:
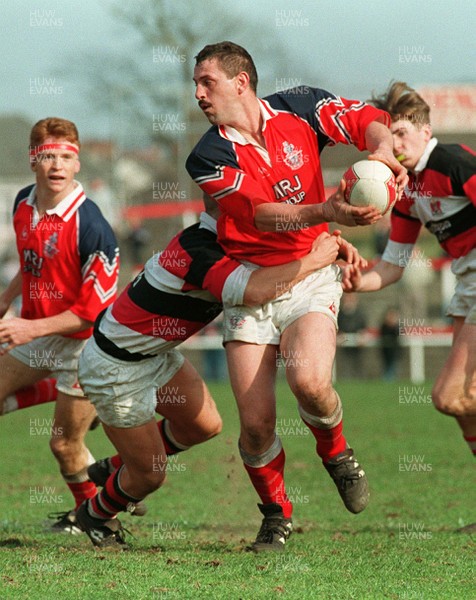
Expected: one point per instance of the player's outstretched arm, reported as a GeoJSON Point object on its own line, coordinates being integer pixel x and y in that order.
{"type": "Point", "coordinates": [268, 283]}
{"type": "Point", "coordinates": [381, 275]}
{"type": "Point", "coordinates": [18, 331]}
{"type": "Point", "coordinates": [8, 296]}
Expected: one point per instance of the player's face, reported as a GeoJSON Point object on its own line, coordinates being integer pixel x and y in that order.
{"type": "Point", "coordinates": [55, 169]}
{"type": "Point", "coordinates": [217, 95]}
{"type": "Point", "coordinates": [409, 141]}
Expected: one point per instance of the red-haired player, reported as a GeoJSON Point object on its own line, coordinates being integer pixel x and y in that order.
{"type": "Point", "coordinates": [69, 263]}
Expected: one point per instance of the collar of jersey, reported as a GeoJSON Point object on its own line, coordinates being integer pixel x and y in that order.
{"type": "Point", "coordinates": [230, 133]}
{"type": "Point", "coordinates": [67, 207]}
{"type": "Point", "coordinates": [421, 164]}
{"type": "Point", "coordinates": [208, 222]}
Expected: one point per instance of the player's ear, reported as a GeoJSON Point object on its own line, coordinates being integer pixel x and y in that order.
{"type": "Point", "coordinates": [242, 81]}
{"type": "Point", "coordinates": [427, 131]}
{"type": "Point", "coordinates": [77, 166]}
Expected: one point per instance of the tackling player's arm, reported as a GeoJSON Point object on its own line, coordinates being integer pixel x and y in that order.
{"type": "Point", "coordinates": [268, 283]}
{"type": "Point", "coordinates": [382, 274]}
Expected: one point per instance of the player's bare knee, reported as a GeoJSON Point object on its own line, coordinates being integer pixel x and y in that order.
{"type": "Point", "coordinates": [314, 393]}
{"type": "Point", "coordinates": [64, 448]}
{"type": "Point", "coordinates": [212, 427]}
{"type": "Point", "coordinates": [448, 404]}
{"type": "Point", "coordinates": [206, 431]}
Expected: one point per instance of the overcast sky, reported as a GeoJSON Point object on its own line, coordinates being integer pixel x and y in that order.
{"type": "Point", "coordinates": [351, 48]}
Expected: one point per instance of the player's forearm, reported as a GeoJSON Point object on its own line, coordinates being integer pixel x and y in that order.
{"type": "Point", "coordinates": [280, 217]}
{"type": "Point", "coordinates": [64, 323]}
{"type": "Point", "coordinates": [381, 275]}
{"type": "Point", "coordinates": [378, 138]}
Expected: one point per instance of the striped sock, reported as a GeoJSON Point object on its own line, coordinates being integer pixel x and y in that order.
{"type": "Point", "coordinates": [111, 500]}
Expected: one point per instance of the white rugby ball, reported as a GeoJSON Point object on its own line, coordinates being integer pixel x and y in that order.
{"type": "Point", "coordinates": [370, 183]}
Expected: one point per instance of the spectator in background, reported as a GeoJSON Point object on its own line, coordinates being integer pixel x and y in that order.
{"type": "Point", "coordinates": [389, 342]}
{"type": "Point", "coordinates": [352, 320]}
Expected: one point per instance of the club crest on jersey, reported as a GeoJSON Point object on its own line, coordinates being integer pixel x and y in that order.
{"type": "Point", "coordinates": [49, 247]}
{"type": "Point", "coordinates": [292, 156]}
{"type": "Point", "coordinates": [435, 206]}
{"type": "Point", "coordinates": [24, 233]}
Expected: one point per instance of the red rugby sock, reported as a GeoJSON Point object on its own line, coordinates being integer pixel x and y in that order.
{"type": "Point", "coordinates": [40, 392]}
{"type": "Point", "coordinates": [268, 481]}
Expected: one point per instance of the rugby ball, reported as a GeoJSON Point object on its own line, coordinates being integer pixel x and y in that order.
{"type": "Point", "coordinates": [370, 183]}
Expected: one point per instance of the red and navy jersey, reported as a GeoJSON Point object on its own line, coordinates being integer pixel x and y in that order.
{"type": "Point", "coordinates": [240, 175]}
{"type": "Point", "coordinates": [69, 258]}
{"type": "Point", "coordinates": [179, 291]}
{"type": "Point", "coordinates": [441, 196]}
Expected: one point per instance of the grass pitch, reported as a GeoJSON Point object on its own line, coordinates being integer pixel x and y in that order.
{"type": "Point", "coordinates": [191, 543]}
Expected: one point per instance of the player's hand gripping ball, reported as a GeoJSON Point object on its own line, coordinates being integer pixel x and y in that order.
{"type": "Point", "coordinates": [370, 183]}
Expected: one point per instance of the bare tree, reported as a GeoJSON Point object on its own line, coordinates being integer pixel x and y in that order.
{"type": "Point", "coordinates": [146, 91]}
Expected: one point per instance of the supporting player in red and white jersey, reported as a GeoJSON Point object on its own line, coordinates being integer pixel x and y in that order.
{"type": "Point", "coordinates": [260, 161]}
{"type": "Point", "coordinates": [68, 274]}
{"type": "Point", "coordinates": [441, 196]}
{"type": "Point", "coordinates": [131, 368]}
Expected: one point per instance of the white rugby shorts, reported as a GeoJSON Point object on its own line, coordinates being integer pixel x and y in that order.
{"type": "Point", "coordinates": [463, 302]}
{"type": "Point", "coordinates": [125, 393]}
{"type": "Point", "coordinates": [57, 354]}
{"type": "Point", "coordinates": [319, 292]}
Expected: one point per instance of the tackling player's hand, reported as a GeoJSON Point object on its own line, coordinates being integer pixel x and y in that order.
{"type": "Point", "coordinates": [349, 252]}
{"type": "Point", "coordinates": [351, 278]}
{"type": "Point", "coordinates": [325, 249]}
{"type": "Point", "coordinates": [15, 332]}
{"type": "Point", "coordinates": [337, 210]}
{"type": "Point", "coordinates": [401, 174]}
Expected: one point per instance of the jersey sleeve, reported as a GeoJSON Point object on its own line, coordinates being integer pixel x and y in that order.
{"type": "Point", "coordinates": [22, 195]}
{"type": "Point", "coordinates": [99, 258]}
{"type": "Point", "coordinates": [334, 119]}
{"type": "Point", "coordinates": [345, 121]}
{"type": "Point", "coordinates": [214, 168]}
{"type": "Point", "coordinates": [404, 232]}
{"type": "Point", "coordinates": [463, 174]}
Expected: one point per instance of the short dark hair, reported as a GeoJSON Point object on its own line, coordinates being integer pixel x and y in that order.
{"type": "Point", "coordinates": [403, 102]}
{"type": "Point", "coordinates": [232, 58]}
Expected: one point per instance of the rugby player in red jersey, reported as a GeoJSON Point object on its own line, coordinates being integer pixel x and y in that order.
{"type": "Point", "coordinates": [69, 263]}
{"type": "Point", "coordinates": [441, 196]}
{"type": "Point", "coordinates": [130, 368]}
{"type": "Point", "coordinates": [260, 161]}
